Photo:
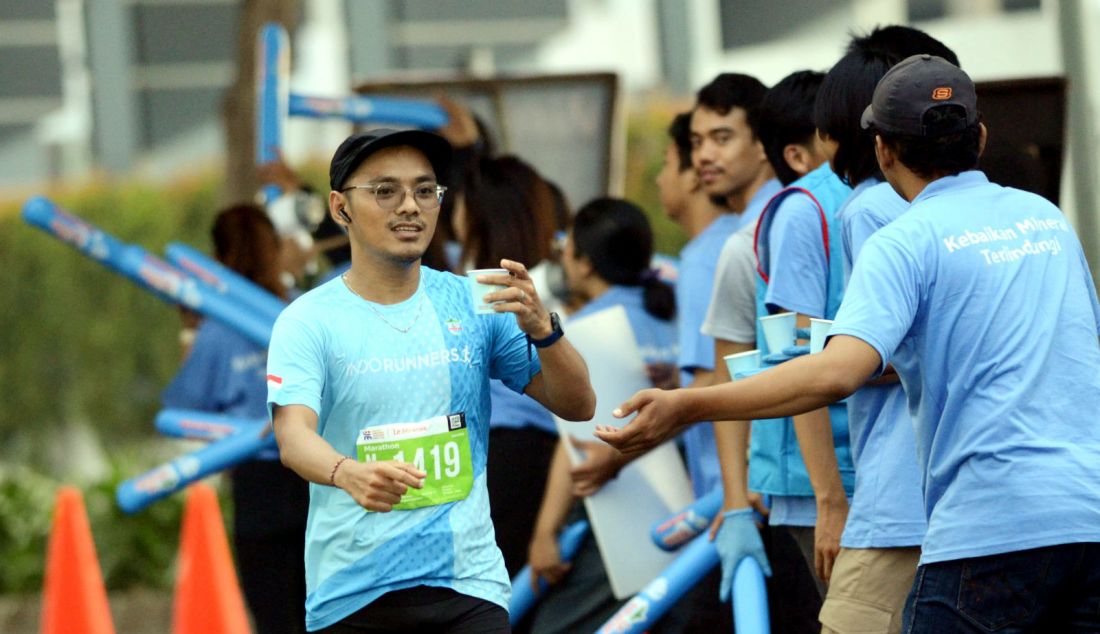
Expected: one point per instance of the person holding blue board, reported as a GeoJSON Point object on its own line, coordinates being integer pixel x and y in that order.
{"type": "Point", "coordinates": [1003, 400]}
{"type": "Point", "coordinates": [224, 372]}
{"type": "Point", "coordinates": [378, 385]}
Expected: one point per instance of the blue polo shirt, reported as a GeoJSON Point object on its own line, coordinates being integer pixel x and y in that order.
{"type": "Point", "coordinates": [887, 509]}
{"type": "Point", "coordinates": [981, 298]}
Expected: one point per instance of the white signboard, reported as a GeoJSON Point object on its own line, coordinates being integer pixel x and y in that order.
{"type": "Point", "coordinates": [648, 490]}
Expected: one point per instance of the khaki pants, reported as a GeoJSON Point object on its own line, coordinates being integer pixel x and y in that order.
{"type": "Point", "coordinates": [868, 589]}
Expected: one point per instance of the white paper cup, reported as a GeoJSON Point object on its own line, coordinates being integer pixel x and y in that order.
{"type": "Point", "coordinates": [779, 331]}
{"type": "Point", "coordinates": [478, 291]}
{"type": "Point", "coordinates": [819, 330]}
{"type": "Point", "coordinates": [742, 362]}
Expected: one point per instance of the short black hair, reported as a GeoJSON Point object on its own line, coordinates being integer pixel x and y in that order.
{"type": "Point", "coordinates": [849, 86]}
{"type": "Point", "coordinates": [932, 157]}
{"type": "Point", "coordinates": [786, 116]}
{"type": "Point", "coordinates": [680, 133]}
{"type": "Point", "coordinates": [732, 90]}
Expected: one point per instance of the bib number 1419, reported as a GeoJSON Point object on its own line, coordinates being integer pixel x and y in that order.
{"type": "Point", "coordinates": [438, 446]}
{"type": "Point", "coordinates": [450, 465]}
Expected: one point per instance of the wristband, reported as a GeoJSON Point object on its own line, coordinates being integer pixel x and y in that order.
{"type": "Point", "coordinates": [332, 476]}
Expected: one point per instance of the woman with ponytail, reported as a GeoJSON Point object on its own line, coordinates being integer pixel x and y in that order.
{"type": "Point", "coordinates": [606, 260]}
{"type": "Point", "coordinates": [607, 263]}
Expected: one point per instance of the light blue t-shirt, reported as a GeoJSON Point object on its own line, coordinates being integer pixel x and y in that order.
{"type": "Point", "coordinates": [981, 298]}
{"type": "Point", "coordinates": [887, 509]}
{"type": "Point", "coordinates": [346, 359]}
{"type": "Point", "coordinates": [656, 337]}
{"type": "Point", "coordinates": [796, 259]}
{"type": "Point", "coordinates": [698, 262]}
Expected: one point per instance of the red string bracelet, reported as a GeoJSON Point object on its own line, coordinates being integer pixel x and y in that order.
{"type": "Point", "coordinates": [332, 476]}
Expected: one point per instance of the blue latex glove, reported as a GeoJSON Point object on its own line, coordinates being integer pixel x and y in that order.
{"type": "Point", "coordinates": [737, 538]}
{"type": "Point", "coordinates": [797, 351]}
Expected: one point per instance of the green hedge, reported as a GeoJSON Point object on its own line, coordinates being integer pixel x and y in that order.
{"type": "Point", "coordinates": [79, 342]}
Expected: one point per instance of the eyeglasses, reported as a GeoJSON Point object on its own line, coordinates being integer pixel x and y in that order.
{"type": "Point", "coordinates": [389, 196]}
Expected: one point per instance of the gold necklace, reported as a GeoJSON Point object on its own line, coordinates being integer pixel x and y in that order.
{"type": "Point", "coordinates": [370, 305]}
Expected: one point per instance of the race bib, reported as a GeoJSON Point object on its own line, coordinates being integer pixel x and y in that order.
{"type": "Point", "coordinates": [439, 446]}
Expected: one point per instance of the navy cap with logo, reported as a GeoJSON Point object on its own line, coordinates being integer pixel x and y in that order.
{"type": "Point", "coordinates": [356, 148]}
{"type": "Point", "coordinates": [911, 95]}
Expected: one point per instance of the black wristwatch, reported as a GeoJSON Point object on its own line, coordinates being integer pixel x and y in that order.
{"type": "Point", "coordinates": [555, 334]}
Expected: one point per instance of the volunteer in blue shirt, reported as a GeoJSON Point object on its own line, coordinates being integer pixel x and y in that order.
{"type": "Point", "coordinates": [379, 390]}
{"type": "Point", "coordinates": [880, 547]}
{"type": "Point", "coordinates": [784, 124]}
{"type": "Point", "coordinates": [981, 299]}
{"type": "Point", "coordinates": [606, 262]}
{"type": "Point", "coordinates": [224, 373]}
{"type": "Point", "coordinates": [804, 463]}
{"type": "Point", "coordinates": [731, 166]}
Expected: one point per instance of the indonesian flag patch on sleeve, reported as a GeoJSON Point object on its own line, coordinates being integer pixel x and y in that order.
{"type": "Point", "coordinates": [274, 382]}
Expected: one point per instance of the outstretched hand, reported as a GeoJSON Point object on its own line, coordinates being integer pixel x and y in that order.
{"type": "Point", "coordinates": [659, 417]}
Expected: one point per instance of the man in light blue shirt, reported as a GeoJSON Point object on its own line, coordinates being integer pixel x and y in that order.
{"type": "Point", "coordinates": [981, 299]}
{"type": "Point", "coordinates": [803, 462]}
{"type": "Point", "coordinates": [880, 546]}
{"type": "Point", "coordinates": [378, 383]}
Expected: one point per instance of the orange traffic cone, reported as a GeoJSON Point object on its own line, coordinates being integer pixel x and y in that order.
{"type": "Point", "coordinates": [208, 599]}
{"type": "Point", "coordinates": [74, 599]}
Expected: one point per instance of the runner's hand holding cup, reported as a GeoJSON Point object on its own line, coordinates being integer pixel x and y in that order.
{"type": "Point", "coordinates": [520, 297]}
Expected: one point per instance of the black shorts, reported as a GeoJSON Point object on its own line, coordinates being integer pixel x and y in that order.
{"type": "Point", "coordinates": [426, 610]}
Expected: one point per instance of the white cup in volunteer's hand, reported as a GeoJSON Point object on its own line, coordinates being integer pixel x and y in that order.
{"type": "Point", "coordinates": [779, 331]}
{"type": "Point", "coordinates": [478, 291]}
{"type": "Point", "coordinates": [742, 362]}
{"type": "Point", "coordinates": [819, 331]}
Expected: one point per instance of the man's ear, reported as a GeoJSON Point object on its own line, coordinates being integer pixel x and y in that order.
{"type": "Point", "coordinates": [982, 139]}
{"type": "Point", "coordinates": [884, 154]}
{"type": "Point", "coordinates": [337, 207]}
{"type": "Point", "coordinates": [799, 158]}
{"type": "Point", "coordinates": [762, 155]}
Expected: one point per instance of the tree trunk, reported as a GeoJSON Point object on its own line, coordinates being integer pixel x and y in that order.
{"type": "Point", "coordinates": [239, 108]}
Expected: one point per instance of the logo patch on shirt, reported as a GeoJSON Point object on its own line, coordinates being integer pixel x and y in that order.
{"type": "Point", "coordinates": [274, 382]}
{"type": "Point", "coordinates": [454, 326]}
{"type": "Point", "coordinates": [373, 434]}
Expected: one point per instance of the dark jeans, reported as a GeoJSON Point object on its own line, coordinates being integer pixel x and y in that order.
{"type": "Point", "coordinates": [424, 610]}
{"type": "Point", "coordinates": [1051, 589]}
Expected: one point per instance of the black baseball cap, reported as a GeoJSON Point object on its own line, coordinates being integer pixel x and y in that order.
{"type": "Point", "coordinates": [356, 148]}
{"type": "Point", "coordinates": [912, 88]}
